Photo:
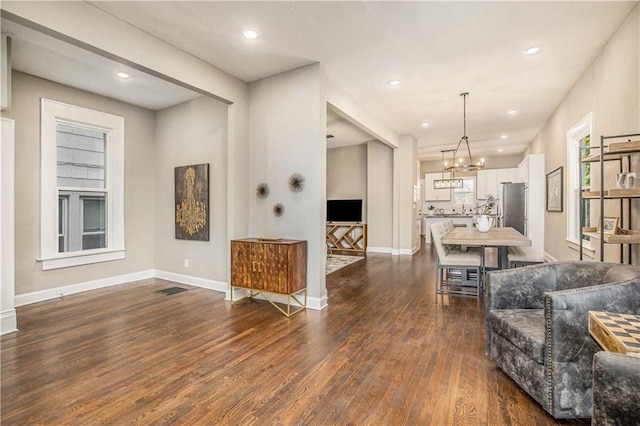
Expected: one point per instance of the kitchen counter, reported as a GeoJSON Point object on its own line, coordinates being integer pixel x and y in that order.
{"type": "Point", "coordinates": [452, 215]}
{"type": "Point", "coordinates": [457, 219]}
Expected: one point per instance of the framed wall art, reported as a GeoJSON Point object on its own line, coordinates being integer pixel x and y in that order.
{"type": "Point", "coordinates": [610, 225]}
{"type": "Point", "coordinates": [192, 202]}
{"type": "Point", "coordinates": [554, 190]}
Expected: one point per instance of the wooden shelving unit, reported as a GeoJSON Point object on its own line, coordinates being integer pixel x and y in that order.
{"type": "Point", "coordinates": [620, 152]}
{"type": "Point", "coordinates": [347, 237]}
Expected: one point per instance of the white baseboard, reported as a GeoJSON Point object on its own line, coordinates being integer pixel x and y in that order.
{"type": "Point", "coordinates": [52, 293]}
{"type": "Point", "coordinates": [385, 250]}
{"type": "Point", "coordinates": [190, 280]}
{"type": "Point", "coordinates": [549, 258]}
{"type": "Point", "coordinates": [8, 321]}
{"type": "Point", "coordinates": [316, 303]}
{"type": "Point", "coordinates": [408, 252]}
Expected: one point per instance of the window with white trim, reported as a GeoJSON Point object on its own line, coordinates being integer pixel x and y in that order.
{"type": "Point", "coordinates": [465, 195]}
{"type": "Point", "coordinates": [82, 186]}
{"type": "Point", "coordinates": [579, 178]}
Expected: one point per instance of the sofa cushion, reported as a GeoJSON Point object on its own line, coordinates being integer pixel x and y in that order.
{"type": "Point", "coordinates": [524, 328]}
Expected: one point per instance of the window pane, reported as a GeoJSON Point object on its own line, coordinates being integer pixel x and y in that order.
{"type": "Point", "coordinates": [81, 157]}
{"type": "Point", "coordinates": [60, 214]}
{"type": "Point", "coordinates": [93, 222]}
{"type": "Point", "coordinates": [63, 202]}
{"type": "Point", "coordinates": [92, 241]}
{"type": "Point", "coordinates": [93, 214]}
{"type": "Point", "coordinates": [464, 195]}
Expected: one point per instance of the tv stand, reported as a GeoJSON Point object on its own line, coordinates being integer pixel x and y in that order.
{"type": "Point", "coordinates": [347, 237]}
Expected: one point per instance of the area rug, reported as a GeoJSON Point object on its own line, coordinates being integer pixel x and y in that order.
{"type": "Point", "coordinates": [335, 262]}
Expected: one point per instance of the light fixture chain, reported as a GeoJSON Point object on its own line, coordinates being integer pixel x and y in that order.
{"type": "Point", "coordinates": [460, 167]}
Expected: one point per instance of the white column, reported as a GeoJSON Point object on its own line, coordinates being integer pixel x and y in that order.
{"type": "Point", "coordinates": [405, 209]}
{"type": "Point", "coordinates": [8, 321]}
{"type": "Point", "coordinates": [379, 197]}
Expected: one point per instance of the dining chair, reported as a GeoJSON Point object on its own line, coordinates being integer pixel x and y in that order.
{"type": "Point", "coordinates": [458, 272]}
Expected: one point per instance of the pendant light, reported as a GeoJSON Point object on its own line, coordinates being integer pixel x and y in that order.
{"type": "Point", "coordinates": [459, 164]}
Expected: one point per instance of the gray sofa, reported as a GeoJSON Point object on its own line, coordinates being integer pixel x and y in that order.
{"type": "Point", "coordinates": [616, 389]}
{"type": "Point", "coordinates": [537, 327]}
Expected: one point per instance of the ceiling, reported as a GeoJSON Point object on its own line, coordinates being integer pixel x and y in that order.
{"type": "Point", "coordinates": [437, 50]}
{"type": "Point", "coordinates": [341, 133]}
{"type": "Point", "coordinates": [37, 54]}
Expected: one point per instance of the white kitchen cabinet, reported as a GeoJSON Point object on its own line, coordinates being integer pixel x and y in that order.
{"type": "Point", "coordinates": [431, 194]}
{"type": "Point", "coordinates": [507, 175]}
{"type": "Point", "coordinates": [535, 183]}
{"type": "Point", "coordinates": [523, 171]}
{"type": "Point", "coordinates": [486, 181]}
{"type": "Point", "coordinates": [489, 181]}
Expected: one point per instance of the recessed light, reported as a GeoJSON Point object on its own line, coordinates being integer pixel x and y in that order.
{"type": "Point", "coordinates": [425, 124]}
{"type": "Point", "coordinates": [532, 50]}
{"type": "Point", "coordinates": [504, 136]}
{"type": "Point", "coordinates": [123, 74]}
{"type": "Point", "coordinates": [250, 34]}
{"type": "Point", "coordinates": [500, 150]}
{"type": "Point", "coordinates": [512, 112]}
{"type": "Point", "coordinates": [395, 83]}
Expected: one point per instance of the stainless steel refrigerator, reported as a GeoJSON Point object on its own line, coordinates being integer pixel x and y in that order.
{"type": "Point", "coordinates": [513, 206]}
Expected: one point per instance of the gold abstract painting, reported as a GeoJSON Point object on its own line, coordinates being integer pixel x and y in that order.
{"type": "Point", "coordinates": [192, 202]}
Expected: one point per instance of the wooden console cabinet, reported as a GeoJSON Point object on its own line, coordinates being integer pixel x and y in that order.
{"type": "Point", "coordinates": [268, 266]}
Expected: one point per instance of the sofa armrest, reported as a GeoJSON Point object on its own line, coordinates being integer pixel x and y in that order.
{"type": "Point", "coordinates": [616, 389]}
{"type": "Point", "coordinates": [520, 288]}
{"type": "Point", "coordinates": [567, 314]}
{"type": "Point", "coordinates": [569, 348]}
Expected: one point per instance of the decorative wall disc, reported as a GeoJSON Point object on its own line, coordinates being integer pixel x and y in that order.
{"type": "Point", "coordinates": [278, 210]}
{"type": "Point", "coordinates": [262, 190]}
{"type": "Point", "coordinates": [296, 182]}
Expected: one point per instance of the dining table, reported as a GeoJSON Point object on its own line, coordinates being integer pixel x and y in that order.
{"type": "Point", "coordinates": [501, 238]}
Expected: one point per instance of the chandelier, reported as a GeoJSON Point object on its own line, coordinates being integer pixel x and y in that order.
{"type": "Point", "coordinates": [451, 182]}
{"type": "Point", "coordinates": [458, 164]}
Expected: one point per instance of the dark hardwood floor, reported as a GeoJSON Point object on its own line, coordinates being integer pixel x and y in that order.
{"type": "Point", "coordinates": [386, 351]}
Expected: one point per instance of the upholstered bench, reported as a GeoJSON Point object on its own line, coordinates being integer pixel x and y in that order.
{"type": "Point", "coordinates": [522, 256]}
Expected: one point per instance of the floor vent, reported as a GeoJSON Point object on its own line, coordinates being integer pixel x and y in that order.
{"type": "Point", "coordinates": [172, 290]}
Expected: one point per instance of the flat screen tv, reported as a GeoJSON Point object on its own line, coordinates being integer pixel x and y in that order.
{"type": "Point", "coordinates": [344, 210]}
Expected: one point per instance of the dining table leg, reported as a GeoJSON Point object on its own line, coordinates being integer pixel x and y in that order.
{"type": "Point", "coordinates": [503, 257]}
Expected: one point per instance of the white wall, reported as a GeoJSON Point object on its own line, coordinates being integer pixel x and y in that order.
{"type": "Point", "coordinates": [5, 73]}
{"type": "Point", "coordinates": [351, 110]}
{"type": "Point", "coordinates": [139, 185]}
{"type": "Point", "coordinates": [83, 25]}
{"type": "Point", "coordinates": [379, 197]}
{"type": "Point", "coordinates": [194, 132]}
{"type": "Point", "coordinates": [347, 174]}
{"type": "Point", "coordinates": [8, 320]}
{"type": "Point", "coordinates": [405, 209]}
{"type": "Point", "coordinates": [609, 88]}
{"type": "Point", "coordinates": [287, 135]}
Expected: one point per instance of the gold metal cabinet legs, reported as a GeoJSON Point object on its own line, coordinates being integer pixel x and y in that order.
{"type": "Point", "coordinates": [289, 312]}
